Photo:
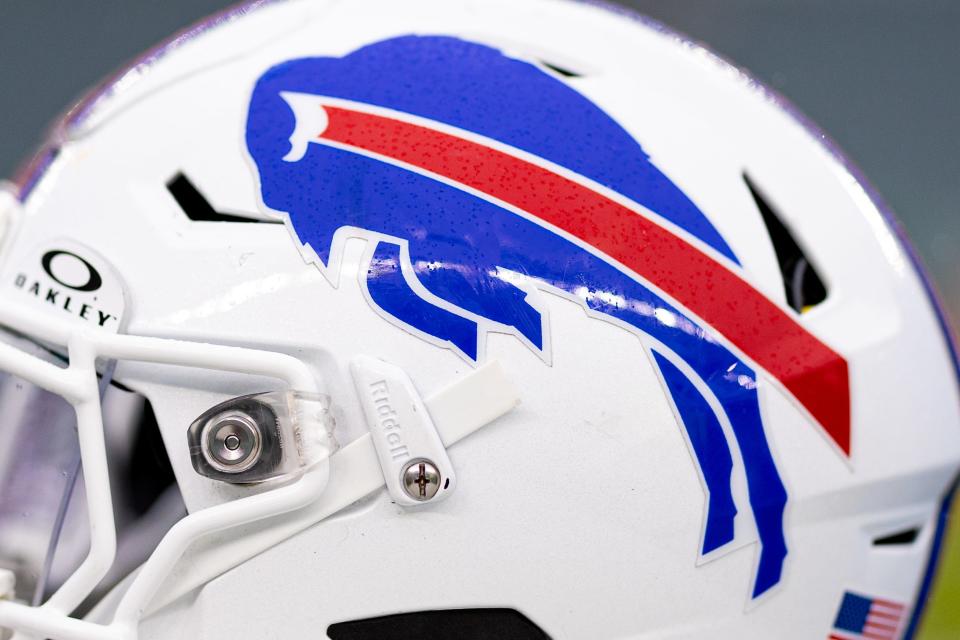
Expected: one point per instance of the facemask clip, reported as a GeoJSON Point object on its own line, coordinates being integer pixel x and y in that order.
{"type": "Point", "coordinates": [416, 467]}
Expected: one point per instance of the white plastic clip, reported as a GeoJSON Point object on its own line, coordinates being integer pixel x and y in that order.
{"type": "Point", "coordinates": [416, 467]}
{"type": "Point", "coordinates": [8, 582]}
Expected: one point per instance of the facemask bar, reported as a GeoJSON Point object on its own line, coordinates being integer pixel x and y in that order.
{"type": "Point", "coordinates": [78, 385]}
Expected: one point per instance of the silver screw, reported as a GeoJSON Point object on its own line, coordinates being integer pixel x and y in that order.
{"type": "Point", "coordinates": [421, 480]}
{"type": "Point", "coordinates": [231, 442]}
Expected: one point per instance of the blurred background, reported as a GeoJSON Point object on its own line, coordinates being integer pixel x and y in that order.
{"type": "Point", "coordinates": [880, 77]}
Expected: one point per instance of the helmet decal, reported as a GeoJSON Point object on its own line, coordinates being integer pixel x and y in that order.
{"type": "Point", "coordinates": [481, 180]}
{"type": "Point", "coordinates": [867, 617]}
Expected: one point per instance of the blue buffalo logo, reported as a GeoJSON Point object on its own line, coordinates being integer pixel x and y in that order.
{"type": "Point", "coordinates": [478, 179]}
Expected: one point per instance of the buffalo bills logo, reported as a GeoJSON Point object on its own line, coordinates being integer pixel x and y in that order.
{"type": "Point", "coordinates": [480, 180]}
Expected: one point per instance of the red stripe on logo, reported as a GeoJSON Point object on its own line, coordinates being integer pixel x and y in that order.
{"type": "Point", "coordinates": [815, 374]}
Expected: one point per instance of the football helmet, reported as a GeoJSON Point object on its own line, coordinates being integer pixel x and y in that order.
{"type": "Point", "coordinates": [457, 319]}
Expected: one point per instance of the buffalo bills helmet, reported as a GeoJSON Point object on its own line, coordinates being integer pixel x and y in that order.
{"type": "Point", "coordinates": [456, 319]}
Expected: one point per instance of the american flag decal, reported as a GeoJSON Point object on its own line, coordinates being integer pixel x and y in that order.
{"type": "Point", "coordinates": [865, 617]}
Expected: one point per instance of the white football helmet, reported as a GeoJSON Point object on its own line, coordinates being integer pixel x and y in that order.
{"type": "Point", "coordinates": [458, 319]}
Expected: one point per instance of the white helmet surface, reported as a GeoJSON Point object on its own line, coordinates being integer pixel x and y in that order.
{"type": "Point", "coordinates": [455, 319]}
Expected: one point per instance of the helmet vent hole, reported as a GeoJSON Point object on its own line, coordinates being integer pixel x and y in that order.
{"type": "Point", "coordinates": [193, 203]}
{"type": "Point", "coordinates": [463, 624]}
{"type": "Point", "coordinates": [900, 538]}
{"type": "Point", "coordinates": [563, 71]}
{"type": "Point", "coordinates": [802, 284]}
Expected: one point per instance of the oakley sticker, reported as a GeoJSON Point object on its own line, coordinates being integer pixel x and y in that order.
{"type": "Point", "coordinates": [68, 280]}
